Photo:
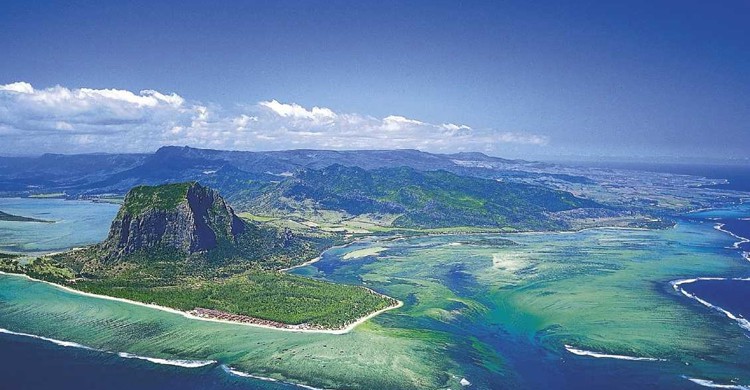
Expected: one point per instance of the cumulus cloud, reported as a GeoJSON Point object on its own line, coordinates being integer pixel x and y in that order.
{"type": "Point", "coordinates": [295, 111]}
{"type": "Point", "coordinates": [19, 87]}
{"type": "Point", "coordinates": [59, 119]}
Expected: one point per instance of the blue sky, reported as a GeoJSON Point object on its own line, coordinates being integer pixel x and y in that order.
{"type": "Point", "coordinates": [510, 78]}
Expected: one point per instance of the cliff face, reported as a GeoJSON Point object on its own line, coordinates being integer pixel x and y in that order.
{"type": "Point", "coordinates": [187, 217]}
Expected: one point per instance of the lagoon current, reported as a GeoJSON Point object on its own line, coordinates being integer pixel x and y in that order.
{"type": "Point", "coordinates": [496, 316]}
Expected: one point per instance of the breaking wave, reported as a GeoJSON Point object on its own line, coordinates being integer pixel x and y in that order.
{"type": "Point", "coordinates": [581, 352]}
{"type": "Point", "coordinates": [744, 323]}
{"type": "Point", "coordinates": [126, 355]}
{"type": "Point", "coordinates": [51, 340]}
{"type": "Point", "coordinates": [169, 362]}
{"type": "Point", "coordinates": [710, 383]}
{"type": "Point", "coordinates": [232, 371]}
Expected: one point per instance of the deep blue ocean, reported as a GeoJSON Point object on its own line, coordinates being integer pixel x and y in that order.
{"type": "Point", "coordinates": [738, 176]}
{"type": "Point", "coordinates": [27, 363]}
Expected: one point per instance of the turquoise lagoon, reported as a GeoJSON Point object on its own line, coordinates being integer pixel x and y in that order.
{"type": "Point", "coordinates": [75, 223]}
{"type": "Point", "coordinates": [559, 310]}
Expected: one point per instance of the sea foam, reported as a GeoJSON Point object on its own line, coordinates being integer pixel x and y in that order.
{"type": "Point", "coordinates": [744, 323]}
{"type": "Point", "coordinates": [235, 372]}
{"type": "Point", "coordinates": [169, 362]}
{"type": "Point", "coordinates": [62, 343]}
{"type": "Point", "coordinates": [736, 245]}
{"type": "Point", "coordinates": [710, 383]}
{"type": "Point", "coordinates": [232, 371]}
{"type": "Point", "coordinates": [51, 340]}
{"type": "Point", "coordinates": [581, 352]}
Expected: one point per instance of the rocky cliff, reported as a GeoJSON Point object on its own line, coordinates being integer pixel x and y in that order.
{"type": "Point", "coordinates": [186, 216]}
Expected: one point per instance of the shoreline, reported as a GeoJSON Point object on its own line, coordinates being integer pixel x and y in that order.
{"type": "Point", "coordinates": [340, 246]}
{"type": "Point", "coordinates": [296, 328]}
{"type": "Point", "coordinates": [308, 262]}
{"type": "Point", "coordinates": [187, 315]}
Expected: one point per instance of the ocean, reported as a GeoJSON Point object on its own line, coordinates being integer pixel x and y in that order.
{"type": "Point", "coordinates": [28, 363]}
{"type": "Point", "coordinates": [590, 309]}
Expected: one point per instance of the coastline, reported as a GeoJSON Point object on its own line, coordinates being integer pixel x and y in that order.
{"type": "Point", "coordinates": [272, 325]}
{"type": "Point", "coordinates": [319, 257]}
{"type": "Point", "coordinates": [308, 262]}
{"type": "Point", "coordinates": [188, 315]}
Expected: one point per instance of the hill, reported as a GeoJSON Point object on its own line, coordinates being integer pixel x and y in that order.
{"type": "Point", "coordinates": [421, 199]}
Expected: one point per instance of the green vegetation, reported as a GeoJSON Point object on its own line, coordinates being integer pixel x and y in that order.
{"type": "Point", "coordinates": [492, 242]}
{"type": "Point", "coordinates": [9, 264]}
{"type": "Point", "coordinates": [164, 197]}
{"type": "Point", "coordinates": [5, 256]}
{"type": "Point", "coordinates": [231, 284]}
{"type": "Point", "coordinates": [360, 253]}
{"type": "Point", "coordinates": [236, 275]}
{"type": "Point", "coordinates": [18, 218]}
{"type": "Point", "coordinates": [266, 295]}
{"type": "Point", "coordinates": [40, 268]}
{"type": "Point", "coordinates": [433, 199]}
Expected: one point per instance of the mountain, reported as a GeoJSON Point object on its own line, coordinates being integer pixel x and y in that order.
{"type": "Point", "coordinates": [229, 171]}
{"type": "Point", "coordinates": [57, 172]}
{"type": "Point", "coordinates": [423, 199]}
{"type": "Point", "coordinates": [186, 216]}
{"type": "Point", "coordinates": [184, 229]}
{"type": "Point", "coordinates": [181, 246]}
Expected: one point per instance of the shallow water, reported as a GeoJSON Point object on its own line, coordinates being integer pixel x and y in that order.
{"type": "Point", "coordinates": [76, 223]}
{"type": "Point", "coordinates": [497, 316]}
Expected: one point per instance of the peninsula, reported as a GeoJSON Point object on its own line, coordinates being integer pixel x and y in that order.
{"type": "Point", "coordinates": [182, 247]}
{"type": "Point", "coordinates": [17, 218]}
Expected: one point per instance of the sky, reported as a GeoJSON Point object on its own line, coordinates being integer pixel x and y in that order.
{"type": "Point", "coordinates": [542, 79]}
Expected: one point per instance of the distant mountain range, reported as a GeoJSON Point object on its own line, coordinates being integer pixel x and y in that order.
{"type": "Point", "coordinates": [91, 174]}
{"type": "Point", "coordinates": [419, 189]}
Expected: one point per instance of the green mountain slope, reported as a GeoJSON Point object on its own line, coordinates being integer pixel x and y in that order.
{"type": "Point", "coordinates": [423, 199]}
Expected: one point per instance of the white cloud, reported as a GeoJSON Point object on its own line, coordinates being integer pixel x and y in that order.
{"type": "Point", "coordinates": [19, 87]}
{"type": "Point", "coordinates": [243, 120]}
{"type": "Point", "coordinates": [59, 119]}
{"type": "Point", "coordinates": [399, 123]}
{"type": "Point", "coordinates": [298, 112]}
{"type": "Point", "coordinates": [453, 129]}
